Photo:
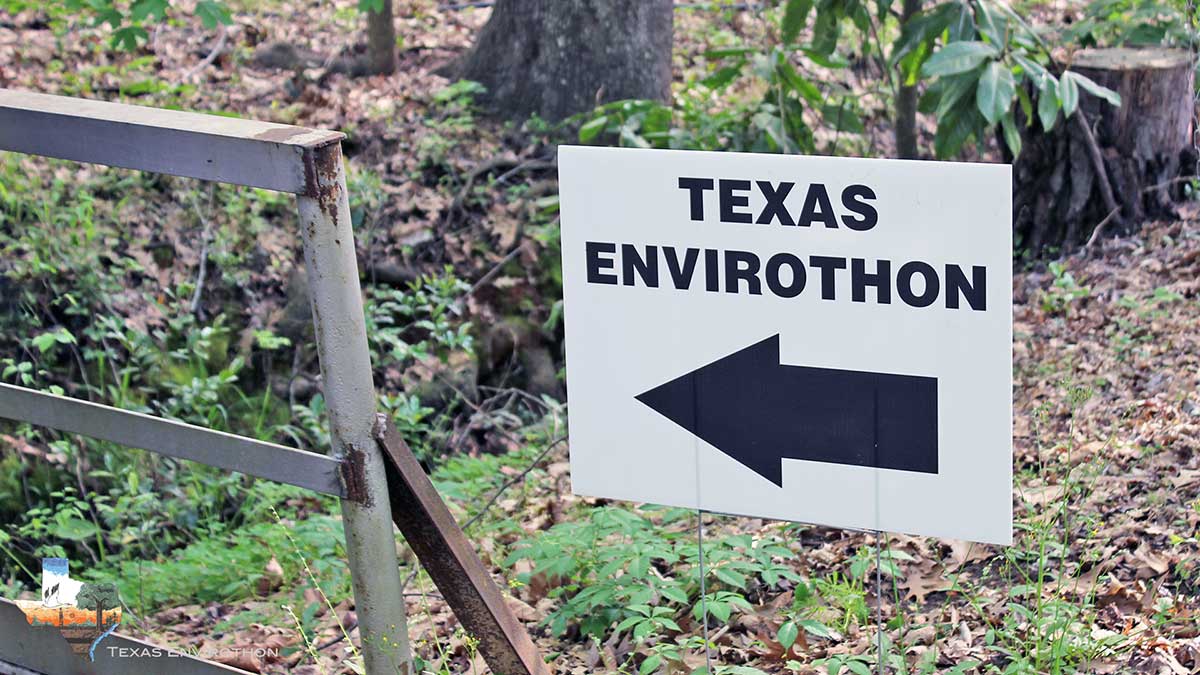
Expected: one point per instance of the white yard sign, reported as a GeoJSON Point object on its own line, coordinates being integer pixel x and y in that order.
{"type": "Point", "coordinates": [815, 339]}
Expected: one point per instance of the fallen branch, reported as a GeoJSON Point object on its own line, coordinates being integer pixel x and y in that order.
{"type": "Point", "coordinates": [1098, 165]}
{"type": "Point", "coordinates": [1099, 229]}
{"type": "Point", "coordinates": [511, 482]}
{"type": "Point", "coordinates": [202, 273]}
{"type": "Point", "coordinates": [212, 56]}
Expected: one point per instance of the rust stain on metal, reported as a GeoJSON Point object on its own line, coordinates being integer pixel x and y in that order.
{"type": "Point", "coordinates": [354, 475]}
{"type": "Point", "coordinates": [321, 166]}
{"type": "Point", "coordinates": [281, 134]}
{"type": "Point", "coordinates": [450, 559]}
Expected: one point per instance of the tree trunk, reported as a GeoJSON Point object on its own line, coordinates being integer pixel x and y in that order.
{"type": "Point", "coordinates": [556, 58]}
{"type": "Point", "coordinates": [381, 40]}
{"type": "Point", "coordinates": [906, 100]}
{"type": "Point", "coordinates": [1112, 167]}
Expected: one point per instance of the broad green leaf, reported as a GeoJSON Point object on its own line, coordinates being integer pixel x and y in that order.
{"type": "Point", "coordinates": [788, 633]}
{"type": "Point", "coordinates": [1068, 95]}
{"type": "Point", "coordinates": [826, 29]}
{"type": "Point", "coordinates": [75, 529]}
{"type": "Point", "coordinates": [956, 89]}
{"type": "Point", "coordinates": [795, 15]}
{"type": "Point", "coordinates": [127, 37]}
{"type": "Point", "coordinates": [1047, 104]}
{"type": "Point", "coordinates": [858, 668]}
{"type": "Point", "coordinates": [140, 10]}
{"type": "Point", "coordinates": [1092, 88]}
{"type": "Point", "coordinates": [921, 28]}
{"type": "Point", "coordinates": [1036, 71]}
{"type": "Point", "coordinates": [674, 593]}
{"type": "Point", "coordinates": [958, 57]}
{"type": "Point", "coordinates": [212, 13]}
{"type": "Point", "coordinates": [954, 128]}
{"type": "Point", "coordinates": [995, 91]}
{"type": "Point", "coordinates": [651, 664]}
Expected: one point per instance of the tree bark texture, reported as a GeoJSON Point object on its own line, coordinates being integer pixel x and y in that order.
{"type": "Point", "coordinates": [381, 40]}
{"type": "Point", "coordinates": [1108, 166]}
{"type": "Point", "coordinates": [906, 100]}
{"type": "Point", "coordinates": [556, 58]}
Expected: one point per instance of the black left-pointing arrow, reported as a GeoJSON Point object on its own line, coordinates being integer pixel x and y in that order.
{"type": "Point", "coordinates": [758, 412]}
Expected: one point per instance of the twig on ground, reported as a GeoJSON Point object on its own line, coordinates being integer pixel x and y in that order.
{"type": "Point", "coordinates": [512, 481]}
{"type": "Point", "coordinates": [222, 38]}
{"type": "Point", "coordinates": [1098, 231]}
{"type": "Point", "coordinates": [514, 166]}
{"type": "Point", "coordinates": [203, 271]}
{"type": "Point", "coordinates": [491, 274]}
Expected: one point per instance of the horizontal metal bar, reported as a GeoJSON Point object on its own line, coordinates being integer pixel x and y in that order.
{"type": "Point", "coordinates": [176, 439]}
{"type": "Point", "coordinates": [43, 649]}
{"type": "Point", "coordinates": [210, 147]}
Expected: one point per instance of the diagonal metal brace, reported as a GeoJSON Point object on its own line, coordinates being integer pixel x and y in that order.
{"type": "Point", "coordinates": [444, 551]}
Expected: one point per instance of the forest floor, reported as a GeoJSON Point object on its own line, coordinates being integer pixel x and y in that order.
{"type": "Point", "coordinates": [1104, 574]}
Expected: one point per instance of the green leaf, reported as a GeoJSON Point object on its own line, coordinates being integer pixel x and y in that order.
{"type": "Point", "coordinates": [1036, 71]}
{"type": "Point", "coordinates": [787, 635]}
{"type": "Point", "coordinates": [1068, 95]}
{"type": "Point", "coordinates": [212, 13]}
{"type": "Point", "coordinates": [1011, 136]}
{"type": "Point", "coordinates": [954, 89]}
{"type": "Point", "coordinates": [127, 37]}
{"type": "Point", "coordinates": [1092, 88]}
{"type": "Point", "coordinates": [75, 529]}
{"type": "Point", "coordinates": [795, 15]}
{"type": "Point", "coordinates": [651, 664]}
{"type": "Point", "coordinates": [48, 340]}
{"type": "Point", "coordinates": [834, 61]}
{"type": "Point", "coordinates": [142, 9]}
{"type": "Point", "coordinates": [730, 577]}
{"type": "Point", "coordinates": [954, 128]}
{"type": "Point", "coordinates": [921, 28]}
{"type": "Point", "coordinates": [728, 51]}
{"type": "Point", "coordinates": [995, 91]}
{"type": "Point", "coordinates": [958, 57]}
{"type": "Point", "coordinates": [816, 628]}
{"type": "Point", "coordinates": [826, 30]}
{"type": "Point", "coordinates": [723, 77]}
{"type": "Point", "coordinates": [858, 668]}
{"type": "Point", "coordinates": [842, 118]}
{"type": "Point", "coordinates": [1047, 105]}
{"type": "Point", "coordinates": [674, 593]}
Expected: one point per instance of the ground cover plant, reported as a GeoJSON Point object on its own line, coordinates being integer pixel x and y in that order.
{"type": "Point", "coordinates": [188, 300]}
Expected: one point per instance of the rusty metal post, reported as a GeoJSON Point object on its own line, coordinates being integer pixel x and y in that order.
{"type": "Point", "coordinates": [349, 390]}
{"type": "Point", "coordinates": [451, 561]}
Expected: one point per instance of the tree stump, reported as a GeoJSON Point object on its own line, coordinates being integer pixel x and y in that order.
{"type": "Point", "coordinates": [1108, 169]}
{"type": "Point", "coordinates": [555, 58]}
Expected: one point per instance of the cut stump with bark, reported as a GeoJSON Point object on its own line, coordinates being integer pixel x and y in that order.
{"type": "Point", "coordinates": [1109, 168]}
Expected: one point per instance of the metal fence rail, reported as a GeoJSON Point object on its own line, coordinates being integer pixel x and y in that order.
{"type": "Point", "coordinates": [175, 439]}
{"type": "Point", "coordinates": [308, 163]}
